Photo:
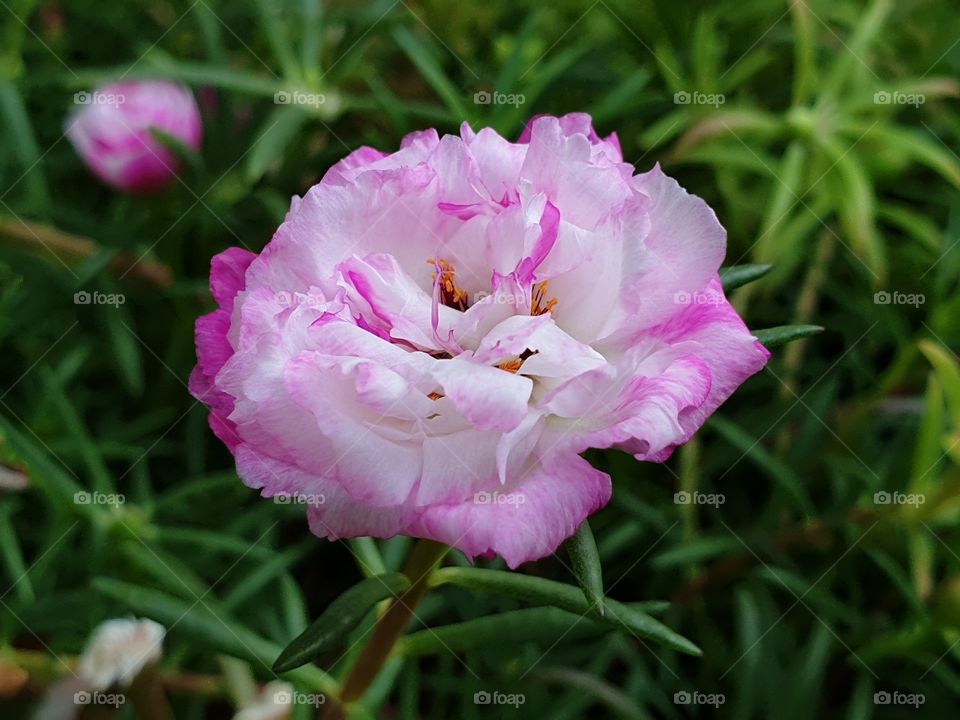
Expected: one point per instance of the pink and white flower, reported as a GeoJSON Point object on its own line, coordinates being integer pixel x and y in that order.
{"type": "Point", "coordinates": [112, 132]}
{"type": "Point", "coordinates": [434, 336]}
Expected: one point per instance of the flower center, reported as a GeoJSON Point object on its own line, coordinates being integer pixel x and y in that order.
{"type": "Point", "coordinates": [450, 294]}
{"type": "Point", "coordinates": [514, 364]}
{"type": "Point", "coordinates": [537, 304]}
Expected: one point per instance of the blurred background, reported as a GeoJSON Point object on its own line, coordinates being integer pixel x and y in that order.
{"type": "Point", "coordinates": [822, 581]}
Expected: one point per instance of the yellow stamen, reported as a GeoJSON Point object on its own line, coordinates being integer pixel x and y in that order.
{"type": "Point", "coordinates": [537, 306]}
{"type": "Point", "coordinates": [511, 366]}
{"type": "Point", "coordinates": [450, 294]}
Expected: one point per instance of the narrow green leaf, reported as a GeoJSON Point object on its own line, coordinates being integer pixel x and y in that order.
{"type": "Point", "coordinates": [738, 275]}
{"type": "Point", "coordinates": [262, 575]}
{"type": "Point", "coordinates": [126, 347]}
{"type": "Point", "coordinates": [279, 130]}
{"type": "Point", "coordinates": [566, 597]}
{"type": "Point", "coordinates": [19, 134]}
{"type": "Point", "coordinates": [195, 619]}
{"type": "Point", "coordinates": [586, 566]}
{"type": "Point", "coordinates": [777, 470]}
{"type": "Point", "coordinates": [368, 557]}
{"type": "Point", "coordinates": [164, 66]}
{"type": "Point", "coordinates": [948, 371]}
{"type": "Point", "coordinates": [540, 624]}
{"type": "Point", "coordinates": [431, 71]}
{"type": "Point", "coordinates": [342, 616]}
{"type": "Point", "coordinates": [12, 555]}
{"type": "Point", "coordinates": [179, 148]}
{"type": "Point", "coordinates": [782, 334]}
{"type": "Point", "coordinates": [311, 43]}
{"type": "Point", "coordinates": [276, 32]}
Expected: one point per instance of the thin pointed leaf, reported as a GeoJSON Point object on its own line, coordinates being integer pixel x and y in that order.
{"type": "Point", "coordinates": [196, 619]}
{"type": "Point", "coordinates": [566, 597]}
{"type": "Point", "coordinates": [782, 334]}
{"type": "Point", "coordinates": [342, 616]}
{"type": "Point", "coordinates": [431, 71]}
{"type": "Point", "coordinates": [739, 275]}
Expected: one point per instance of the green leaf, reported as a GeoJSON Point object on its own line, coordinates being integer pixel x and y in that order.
{"type": "Point", "coordinates": [195, 619]}
{"type": "Point", "coordinates": [777, 470]}
{"type": "Point", "coordinates": [782, 334]}
{"type": "Point", "coordinates": [20, 136]}
{"type": "Point", "coordinates": [738, 275]}
{"type": "Point", "coordinates": [540, 624]}
{"type": "Point", "coordinates": [273, 27]}
{"type": "Point", "coordinates": [280, 128]}
{"type": "Point", "coordinates": [164, 66]}
{"type": "Point", "coordinates": [179, 148]}
{"type": "Point", "coordinates": [342, 616]}
{"type": "Point", "coordinates": [586, 566]}
{"type": "Point", "coordinates": [566, 597]}
{"type": "Point", "coordinates": [948, 371]}
{"type": "Point", "coordinates": [431, 71]}
{"type": "Point", "coordinates": [12, 555]}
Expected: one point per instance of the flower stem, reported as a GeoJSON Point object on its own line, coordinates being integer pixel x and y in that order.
{"type": "Point", "coordinates": [425, 557]}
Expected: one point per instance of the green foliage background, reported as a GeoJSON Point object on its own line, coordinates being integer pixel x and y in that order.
{"type": "Point", "coordinates": [805, 594]}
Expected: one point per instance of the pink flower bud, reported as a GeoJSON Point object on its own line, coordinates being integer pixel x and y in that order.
{"type": "Point", "coordinates": [112, 132]}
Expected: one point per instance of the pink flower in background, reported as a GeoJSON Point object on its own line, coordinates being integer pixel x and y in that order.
{"type": "Point", "coordinates": [111, 130]}
{"type": "Point", "coordinates": [434, 336]}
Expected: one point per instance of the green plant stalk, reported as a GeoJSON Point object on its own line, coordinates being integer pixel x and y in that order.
{"type": "Point", "coordinates": [420, 565]}
{"type": "Point", "coordinates": [805, 311]}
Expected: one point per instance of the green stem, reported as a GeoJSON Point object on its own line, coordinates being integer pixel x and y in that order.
{"type": "Point", "coordinates": [425, 557]}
